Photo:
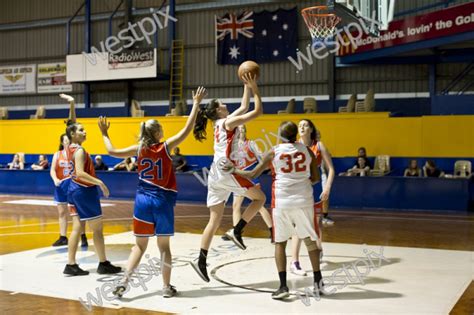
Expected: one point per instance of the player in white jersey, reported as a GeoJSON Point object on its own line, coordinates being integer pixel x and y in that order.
{"type": "Point", "coordinates": [294, 170]}
{"type": "Point", "coordinates": [221, 184]}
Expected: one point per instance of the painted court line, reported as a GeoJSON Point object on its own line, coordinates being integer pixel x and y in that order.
{"type": "Point", "coordinates": [42, 202]}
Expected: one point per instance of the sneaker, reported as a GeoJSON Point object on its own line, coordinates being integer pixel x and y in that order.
{"type": "Point", "coordinates": [318, 291]}
{"type": "Point", "coordinates": [225, 238]}
{"type": "Point", "coordinates": [328, 220]}
{"type": "Point", "coordinates": [120, 288]}
{"type": "Point", "coordinates": [61, 241]}
{"type": "Point", "coordinates": [201, 269]}
{"type": "Point", "coordinates": [84, 241]}
{"type": "Point", "coordinates": [281, 293]}
{"type": "Point", "coordinates": [107, 268]}
{"type": "Point", "coordinates": [295, 268]}
{"type": "Point", "coordinates": [169, 291]}
{"type": "Point", "coordinates": [74, 270]}
{"type": "Point", "coordinates": [236, 238]}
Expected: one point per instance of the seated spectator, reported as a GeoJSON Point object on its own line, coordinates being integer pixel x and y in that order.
{"type": "Point", "coordinates": [413, 170]}
{"type": "Point", "coordinates": [430, 170]}
{"type": "Point", "coordinates": [128, 165]}
{"type": "Point", "coordinates": [179, 161]}
{"type": "Point", "coordinates": [42, 163]}
{"type": "Point", "coordinates": [17, 163]}
{"type": "Point", "coordinates": [360, 169]}
{"type": "Point", "coordinates": [99, 164]}
{"type": "Point", "coordinates": [361, 152]}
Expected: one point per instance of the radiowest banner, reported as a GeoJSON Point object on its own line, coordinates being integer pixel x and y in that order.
{"type": "Point", "coordinates": [52, 78]}
{"type": "Point", "coordinates": [18, 79]}
{"type": "Point", "coordinates": [451, 21]}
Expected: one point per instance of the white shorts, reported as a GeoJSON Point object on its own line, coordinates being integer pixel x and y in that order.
{"type": "Point", "coordinates": [220, 186]}
{"type": "Point", "coordinates": [294, 221]}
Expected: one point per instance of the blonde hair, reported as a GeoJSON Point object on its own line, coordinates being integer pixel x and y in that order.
{"type": "Point", "coordinates": [147, 132]}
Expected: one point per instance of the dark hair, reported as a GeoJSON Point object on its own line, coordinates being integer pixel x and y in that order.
{"type": "Point", "coordinates": [366, 161]}
{"type": "Point", "coordinates": [314, 133]}
{"type": "Point", "coordinates": [69, 122]}
{"type": "Point", "coordinates": [431, 163]}
{"type": "Point", "coordinates": [362, 148]}
{"type": "Point", "coordinates": [209, 111]}
{"type": "Point", "coordinates": [289, 131]}
{"type": "Point", "coordinates": [71, 129]}
{"type": "Point", "coordinates": [61, 146]}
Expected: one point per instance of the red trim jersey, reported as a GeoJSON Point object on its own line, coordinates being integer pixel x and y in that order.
{"type": "Point", "coordinates": [155, 166]}
{"type": "Point", "coordinates": [247, 156]}
{"type": "Point", "coordinates": [64, 166]}
{"type": "Point", "coordinates": [223, 140]}
{"type": "Point", "coordinates": [291, 172]}
{"type": "Point", "coordinates": [88, 165]}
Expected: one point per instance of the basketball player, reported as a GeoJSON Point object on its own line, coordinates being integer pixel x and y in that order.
{"type": "Point", "coordinates": [220, 184]}
{"type": "Point", "coordinates": [60, 172]}
{"type": "Point", "coordinates": [294, 170]}
{"type": "Point", "coordinates": [247, 158]}
{"type": "Point", "coordinates": [310, 137]}
{"type": "Point", "coordinates": [84, 203]}
{"type": "Point", "coordinates": [153, 214]}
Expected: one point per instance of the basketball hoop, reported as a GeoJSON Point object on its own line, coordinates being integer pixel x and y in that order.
{"type": "Point", "coordinates": [321, 25]}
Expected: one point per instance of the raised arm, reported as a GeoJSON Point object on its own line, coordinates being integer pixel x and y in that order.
{"type": "Point", "coordinates": [124, 153]}
{"type": "Point", "coordinates": [72, 107]}
{"type": "Point", "coordinates": [79, 161]}
{"type": "Point", "coordinates": [176, 140]}
{"type": "Point", "coordinates": [235, 121]}
{"type": "Point", "coordinates": [244, 105]}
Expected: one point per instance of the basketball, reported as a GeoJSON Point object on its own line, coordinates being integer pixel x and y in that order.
{"type": "Point", "coordinates": [249, 67]}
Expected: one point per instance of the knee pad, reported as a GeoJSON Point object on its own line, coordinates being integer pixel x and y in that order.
{"type": "Point", "coordinates": [310, 244]}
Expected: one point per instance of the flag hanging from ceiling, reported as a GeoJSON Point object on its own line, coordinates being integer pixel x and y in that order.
{"type": "Point", "coordinates": [260, 36]}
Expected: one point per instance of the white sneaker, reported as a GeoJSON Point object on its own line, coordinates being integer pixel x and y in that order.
{"type": "Point", "coordinates": [169, 291]}
{"type": "Point", "coordinates": [295, 268]}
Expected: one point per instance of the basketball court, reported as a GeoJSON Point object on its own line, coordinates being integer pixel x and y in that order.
{"type": "Point", "coordinates": [398, 245]}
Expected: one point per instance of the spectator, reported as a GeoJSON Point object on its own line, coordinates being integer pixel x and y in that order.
{"type": "Point", "coordinates": [99, 164]}
{"type": "Point", "coordinates": [42, 163]}
{"type": "Point", "coordinates": [362, 152]}
{"type": "Point", "coordinates": [360, 169]}
{"type": "Point", "coordinates": [17, 163]}
{"type": "Point", "coordinates": [179, 161]}
{"type": "Point", "coordinates": [128, 165]}
{"type": "Point", "coordinates": [430, 170]}
{"type": "Point", "coordinates": [413, 170]}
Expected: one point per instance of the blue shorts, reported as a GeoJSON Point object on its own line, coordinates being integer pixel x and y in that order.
{"type": "Point", "coordinates": [84, 202]}
{"type": "Point", "coordinates": [60, 192]}
{"type": "Point", "coordinates": [154, 213]}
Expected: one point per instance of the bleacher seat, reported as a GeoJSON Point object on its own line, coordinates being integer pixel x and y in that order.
{"type": "Point", "coordinates": [290, 108]}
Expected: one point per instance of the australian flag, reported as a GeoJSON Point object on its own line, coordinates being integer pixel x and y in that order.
{"type": "Point", "coordinates": [262, 37]}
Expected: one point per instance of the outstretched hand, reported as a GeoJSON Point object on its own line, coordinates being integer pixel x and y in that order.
{"type": "Point", "coordinates": [199, 95]}
{"type": "Point", "coordinates": [66, 97]}
{"type": "Point", "coordinates": [104, 125]}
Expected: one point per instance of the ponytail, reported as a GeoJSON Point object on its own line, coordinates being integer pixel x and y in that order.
{"type": "Point", "coordinates": [147, 133]}
{"type": "Point", "coordinates": [200, 126]}
{"type": "Point", "coordinates": [207, 112]}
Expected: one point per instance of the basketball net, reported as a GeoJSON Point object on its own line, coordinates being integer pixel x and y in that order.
{"type": "Point", "coordinates": [321, 25]}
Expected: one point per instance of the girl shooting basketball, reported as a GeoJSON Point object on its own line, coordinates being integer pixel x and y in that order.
{"type": "Point", "coordinates": [153, 214]}
{"type": "Point", "coordinates": [220, 184]}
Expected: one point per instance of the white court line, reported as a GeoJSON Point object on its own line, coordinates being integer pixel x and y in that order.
{"type": "Point", "coordinates": [43, 202]}
{"type": "Point", "coordinates": [32, 233]}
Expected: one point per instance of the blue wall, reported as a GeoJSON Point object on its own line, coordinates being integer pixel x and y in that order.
{"type": "Point", "coordinates": [348, 192]}
{"type": "Point", "coordinates": [453, 105]}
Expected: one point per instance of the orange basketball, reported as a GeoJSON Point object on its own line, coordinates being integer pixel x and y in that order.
{"type": "Point", "coordinates": [249, 67]}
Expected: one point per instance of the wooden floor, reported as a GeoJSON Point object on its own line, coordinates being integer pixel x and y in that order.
{"type": "Point", "coordinates": [25, 227]}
